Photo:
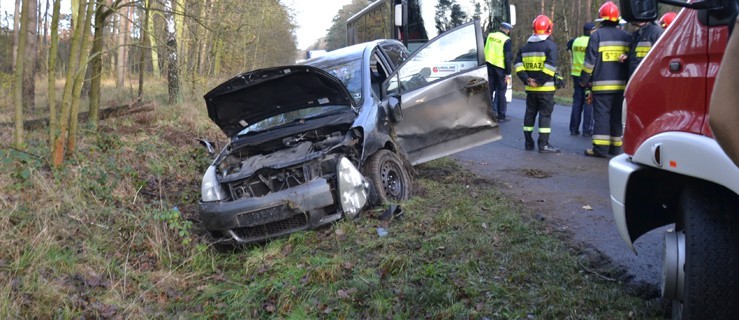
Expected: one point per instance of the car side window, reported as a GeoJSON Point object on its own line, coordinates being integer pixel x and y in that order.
{"type": "Point", "coordinates": [378, 72]}
{"type": "Point", "coordinates": [451, 53]}
{"type": "Point", "coordinates": [396, 52]}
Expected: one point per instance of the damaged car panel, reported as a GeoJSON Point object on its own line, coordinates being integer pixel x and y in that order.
{"type": "Point", "coordinates": [310, 144]}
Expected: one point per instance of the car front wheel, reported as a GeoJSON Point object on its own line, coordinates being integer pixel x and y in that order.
{"type": "Point", "coordinates": [391, 182]}
{"type": "Point", "coordinates": [710, 222]}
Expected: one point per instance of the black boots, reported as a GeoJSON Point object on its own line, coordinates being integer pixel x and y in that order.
{"type": "Point", "coordinates": [544, 146]}
{"type": "Point", "coordinates": [548, 148]}
{"type": "Point", "coordinates": [529, 144]}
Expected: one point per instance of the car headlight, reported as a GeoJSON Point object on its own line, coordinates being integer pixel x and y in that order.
{"type": "Point", "coordinates": [211, 190]}
{"type": "Point", "coordinates": [353, 188]}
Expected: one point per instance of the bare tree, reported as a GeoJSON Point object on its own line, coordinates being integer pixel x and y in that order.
{"type": "Point", "coordinates": [51, 68]}
{"type": "Point", "coordinates": [18, 76]}
{"type": "Point", "coordinates": [29, 73]}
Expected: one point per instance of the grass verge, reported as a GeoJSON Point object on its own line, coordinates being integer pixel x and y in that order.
{"type": "Point", "coordinates": [115, 235]}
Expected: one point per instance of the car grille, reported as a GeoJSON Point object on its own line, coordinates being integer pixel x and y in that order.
{"type": "Point", "coordinates": [298, 221]}
{"type": "Point", "coordinates": [268, 180]}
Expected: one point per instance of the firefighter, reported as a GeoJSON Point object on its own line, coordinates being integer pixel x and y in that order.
{"type": "Point", "coordinates": [498, 57]}
{"type": "Point", "coordinates": [581, 110]}
{"type": "Point", "coordinates": [536, 65]}
{"type": "Point", "coordinates": [642, 40]}
{"type": "Point", "coordinates": [667, 19]}
{"type": "Point", "coordinates": [606, 76]}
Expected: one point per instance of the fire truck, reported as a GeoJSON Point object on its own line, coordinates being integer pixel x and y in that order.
{"type": "Point", "coordinates": [673, 172]}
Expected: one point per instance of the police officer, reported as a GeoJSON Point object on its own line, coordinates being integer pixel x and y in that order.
{"type": "Point", "coordinates": [606, 75]}
{"type": "Point", "coordinates": [498, 55]}
{"type": "Point", "coordinates": [642, 40]}
{"type": "Point", "coordinates": [536, 65]}
{"type": "Point", "coordinates": [581, 109]}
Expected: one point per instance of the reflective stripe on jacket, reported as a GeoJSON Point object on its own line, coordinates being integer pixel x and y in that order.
{"type": "Point", "coordinates": [578, 54]}
{"type": "Point", "coordinates": [538, 60]}
{"type": "Point", "coordinates": [642, 41]}
{"type": "Point", "coordinates": [601, 67]}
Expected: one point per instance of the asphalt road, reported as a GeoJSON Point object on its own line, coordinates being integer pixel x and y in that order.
{"type": "Point", "coordinates": [570, 191]}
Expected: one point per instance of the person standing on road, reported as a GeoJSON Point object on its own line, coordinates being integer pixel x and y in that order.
{"type": "Point", "coordinates": [536, 65]}
{"type": "Point", "coordinates": [642, 40]}
{"type": "Point", "coordinates": [581, 109]}
{"type": "Point", "coordinates": [498, 57]}
{"type": "Point", "coordinates": [606, 76]}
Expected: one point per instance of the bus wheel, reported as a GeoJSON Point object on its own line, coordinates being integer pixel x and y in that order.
{"type": "Point", "coordinates": [709, 216]}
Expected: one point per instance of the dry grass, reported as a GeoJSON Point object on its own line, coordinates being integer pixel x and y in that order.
{"type": "Point", "coordinates": [101, 238]}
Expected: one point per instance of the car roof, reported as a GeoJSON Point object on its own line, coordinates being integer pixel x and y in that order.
{"type": "Point", "coordinates": [354, 51]}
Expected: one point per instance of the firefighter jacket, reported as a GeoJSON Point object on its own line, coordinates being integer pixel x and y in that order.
{"type": "Point", "coordinates": [641, 41]}
{"type": "Point", "coordinates": [578, 54]}
{"type": "Point", "coordinates": [537, 60]}
{"type": "Point", "coordinates": [498, 51]}
{"type": "Point", "coordinates": [602, 68]}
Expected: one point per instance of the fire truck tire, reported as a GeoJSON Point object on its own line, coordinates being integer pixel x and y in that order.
{"type": "Point", "coordinates": [710, 218]}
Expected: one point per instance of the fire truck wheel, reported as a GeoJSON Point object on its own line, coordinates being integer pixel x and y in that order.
{"type": "Point", "coordinates": [710, 217]}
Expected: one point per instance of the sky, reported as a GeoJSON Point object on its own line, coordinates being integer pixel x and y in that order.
{"type": "Point", "coordinates": [313, 18]}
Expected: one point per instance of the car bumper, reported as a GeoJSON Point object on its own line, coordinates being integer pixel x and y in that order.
{"type": "Point", "coordinates": [279, 213]}
{"type": "Point", "coordinates": [620, 169]}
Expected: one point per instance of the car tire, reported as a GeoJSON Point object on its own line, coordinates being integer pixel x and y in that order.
{"type": "Point", "coordinates": [390, 179]}
{"type": "Point", "coordinates": [711, 286]}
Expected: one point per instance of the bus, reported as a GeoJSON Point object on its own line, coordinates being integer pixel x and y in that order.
{"type": "Point", "coordinates": [414, 22]}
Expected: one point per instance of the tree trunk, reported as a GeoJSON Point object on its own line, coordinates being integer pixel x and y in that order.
{"type": "Point", "coordinates": [173, 81]}
{"type": "Point", "coordinates": [144, 38]}
{"type": "Point", "coordinates": [29, 72]}
{"type": "Point", "coordinates": [96, 62]}
{"type": "Point", "coordinates": [16, 29]}
{"type": "Point", "coordinates": [122, 37]}
{"type": "Point", "coordinates": [78, 81]}
{"type": "Point", "coordinates": [18, 76]}
{"type": "Point", "coordinates": [60, 134]}
{"type": "Point", "coordinates": [152, 40]}
{"type": "Point", "coordinates": [179, 28]}
{"type": "Point", "coordinates": [51, 68]}
{"type": "Point", "coordinates": [44, 43]}
{"type": "Point", "coordinates": [589, 11]}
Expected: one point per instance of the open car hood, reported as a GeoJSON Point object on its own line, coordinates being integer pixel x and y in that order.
{"type": "Point", "coordinates": [260, 94]}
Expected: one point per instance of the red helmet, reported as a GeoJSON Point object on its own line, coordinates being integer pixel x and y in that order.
{"type": "Point", "coordinates": [609, 11]}
{"type": "Point", "coordinates": [667, 19]}
{"type": "Point", "coordinates": [542, 25]}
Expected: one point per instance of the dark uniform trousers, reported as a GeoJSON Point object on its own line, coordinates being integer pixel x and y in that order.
{"type": "Point", "coordinates": [543, 104]}
{"type": "Point", "coordinates": [498, 89]}
{"type": "Point", "coordinates": [581, 111]}
{"type": "Point", "coordinates": [607, 117]}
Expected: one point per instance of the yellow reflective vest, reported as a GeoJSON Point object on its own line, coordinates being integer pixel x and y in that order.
{"type": "Point", "coordinates": [494, 49]}
{"type": "Point", "coordinates": [578, 54]}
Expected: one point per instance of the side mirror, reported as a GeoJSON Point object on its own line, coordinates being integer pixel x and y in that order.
{"type": "Point", "coordinates": [398, 15]}
{"type": "Point", "coordinates": [208, 146]}
{"type": "Point", "coordinates": [392, 108]}
{"type": "Point", "coordinates": [639, 10]}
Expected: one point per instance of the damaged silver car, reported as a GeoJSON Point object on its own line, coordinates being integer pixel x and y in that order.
{"type": "Point", "coordinates": [310, 144]}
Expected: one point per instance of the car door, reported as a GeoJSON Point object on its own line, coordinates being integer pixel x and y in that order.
{"type": "Point", "coordinates": [444, 96]}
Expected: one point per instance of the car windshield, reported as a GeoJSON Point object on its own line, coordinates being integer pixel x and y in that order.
{"type": "Point", "coordinates": [349, 72]}
{"type": "Point", "coordinates": [295, 117]}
